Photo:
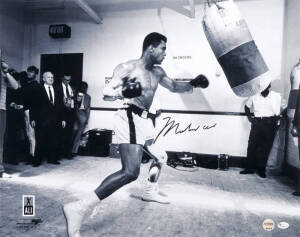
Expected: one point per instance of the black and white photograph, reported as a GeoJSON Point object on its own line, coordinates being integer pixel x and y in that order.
{"type": "Point", "coordinates": [149, 118]}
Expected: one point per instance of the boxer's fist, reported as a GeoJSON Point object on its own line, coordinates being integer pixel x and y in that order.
{"type": "Point", "coordinates": [4, 67]}
{"type": "Point", "coordinates": [131, 88]}
{"type": "Point", "coordinates": [200, 81]}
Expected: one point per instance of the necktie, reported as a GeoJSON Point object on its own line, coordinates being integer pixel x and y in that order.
{"type": "Point", "coordinates": [67, 91]}
{"type": "Point", "coordinates": [50, 94]}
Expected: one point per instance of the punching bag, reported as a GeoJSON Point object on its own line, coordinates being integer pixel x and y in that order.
{"type": "Point", "coordinates": [230, 40]}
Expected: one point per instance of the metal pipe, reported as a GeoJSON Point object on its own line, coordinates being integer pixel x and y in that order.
{"type": "Point", "coordinates": [84, 6]}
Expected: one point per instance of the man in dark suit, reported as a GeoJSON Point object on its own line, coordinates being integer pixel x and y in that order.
{"type": "Point", "coordinates": [47, 118]}
{"type": "Point", "coordinates": [295, 74]}
{"type": "Point", "coordinates": [66, 133]}
{"type": "Point", "coordinates": [82, 115]}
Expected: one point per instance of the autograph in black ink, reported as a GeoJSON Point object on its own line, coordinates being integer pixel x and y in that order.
{"type": "Point", "coordinates": [172, 125]}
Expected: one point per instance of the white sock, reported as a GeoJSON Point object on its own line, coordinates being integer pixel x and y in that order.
{"type": "Point", "coordinates": [90, 200]}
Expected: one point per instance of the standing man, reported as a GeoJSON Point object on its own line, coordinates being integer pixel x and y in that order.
{"type": "Point", "coordinates": [82, 115]}
{"type": "Point", "coordinates": [47, 118]}
{"type": "Point", "coordinates": [68, 98]}
{"type": "Point", "coordinates": [14, 143]}
{"type": "Point", "coordinates": [295, 75]}
{"type": "Point", "coordinates": [266, 109]}
{"type": "Point", "coordinates": [29, 89]}
{"type": "Point", "coordinates": [6, 80]}
{"type": "Point", "coordinates": [136, 82]}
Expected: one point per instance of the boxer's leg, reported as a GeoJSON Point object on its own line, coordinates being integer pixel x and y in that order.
{"type": "Point", "coordinates": [131, 155]}
{"type": "Point", "coordinates": [154, 171]}
{"type": "Point", "coordinates": [151, 191]}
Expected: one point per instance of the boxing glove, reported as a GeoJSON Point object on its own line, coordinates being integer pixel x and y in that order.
{"type": "Point", "coordinates": [131, 89]}
{"type": "Point", "coordinates": [200, 81]}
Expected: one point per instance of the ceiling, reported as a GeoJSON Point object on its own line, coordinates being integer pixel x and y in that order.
{"type": "Point", "coordinates": [43, 4]}
{"type": "Point", "coordinates": [94, 7]}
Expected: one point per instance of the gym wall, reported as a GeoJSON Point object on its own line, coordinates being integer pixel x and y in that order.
{"type": "Point", "coordinates": [291, 49]}
{"type": "Point", "coordinates": [120, 38]}
{"type": "Point", "coordinates": [12, 35]}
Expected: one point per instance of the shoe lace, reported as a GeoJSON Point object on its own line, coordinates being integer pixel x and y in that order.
{"type": "Point", "coordinates": [96, 211]}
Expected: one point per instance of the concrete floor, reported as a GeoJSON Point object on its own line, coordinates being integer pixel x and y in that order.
{"type": "Point", "coordinates": [205, 203]}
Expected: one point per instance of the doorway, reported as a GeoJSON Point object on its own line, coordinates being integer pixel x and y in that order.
{"type": "Point", "coordinates": [58, 64]}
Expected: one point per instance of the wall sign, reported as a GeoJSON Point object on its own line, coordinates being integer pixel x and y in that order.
{"type": "Point", "coordinates": [60, 31]}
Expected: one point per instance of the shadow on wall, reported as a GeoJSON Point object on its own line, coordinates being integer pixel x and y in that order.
{"type": "Point", "coordinates": [192, 101]}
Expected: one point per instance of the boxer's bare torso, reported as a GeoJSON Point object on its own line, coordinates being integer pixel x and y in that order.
{"type": "Point", "coordinates": [149, 79]}
{"type": "Point", "coordinates": [145, 71]}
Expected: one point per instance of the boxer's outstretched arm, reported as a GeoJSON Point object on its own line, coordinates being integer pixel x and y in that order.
{"type": "Point", "coordinates": [172, 85]}
{"type": "Point", "coordinates": [113, 90]}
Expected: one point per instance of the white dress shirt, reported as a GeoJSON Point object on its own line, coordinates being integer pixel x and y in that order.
{"type": "Point", "coordinates": [65, 89]}
{"type": "Point", "coordinates": [70, 93]}
{"type": "Point", "coordinates": [82, 103]}
{"type": "Point", "coordinates": [265, 106]}
{"type": "Point", "coordinates": [52, 91]}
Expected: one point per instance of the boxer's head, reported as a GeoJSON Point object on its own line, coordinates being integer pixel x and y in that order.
{"type": "Point", "coordinates": [155, 46]}
{"type": "Point", "coordinates": [266, 91]}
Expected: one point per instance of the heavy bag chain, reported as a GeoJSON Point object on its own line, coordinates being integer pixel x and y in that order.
{"type": "Point", "coordinates": [209, 2]}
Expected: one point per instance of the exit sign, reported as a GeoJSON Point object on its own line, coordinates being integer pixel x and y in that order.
{"type": "Point", "coordinates": [60, 31]}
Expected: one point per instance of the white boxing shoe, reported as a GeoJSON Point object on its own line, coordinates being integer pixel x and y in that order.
{"type": "Point", "coordinates": [96, 211]}
{"type": "Point", "coordinates": [152, 194]}
{"type": "Point", "coordinates": [74, 213]}
{"type": "Point", "coordinates": [5, 175]}
{"type": "Point", "coordinates": [156, 188]}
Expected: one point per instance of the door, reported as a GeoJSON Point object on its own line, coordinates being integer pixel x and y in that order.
{"type": "Point", "coordinates": [58, 64]}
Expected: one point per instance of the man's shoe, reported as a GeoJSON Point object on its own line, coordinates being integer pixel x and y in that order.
{"type": "Point", "coordinates": [74, 213]}
{"type": "Point", "coordinates": [12, 162]}
{"type": "Point", "coordinates": [296, 193]}
{"type": "Point", "coordinates": [262, 174]}
{"type": "Point", "coordinates": [29, 160]}
{"type": "Point", "coordinates": [54, 162]}
{"type": "Point", "coordinates": [70, 156]}
{"type": "Point", "coordinates": [36, 164]}
{"type": "Point", "coordinates": [247, 171]}
{"type": "Point", "coordinates": [5, 175]}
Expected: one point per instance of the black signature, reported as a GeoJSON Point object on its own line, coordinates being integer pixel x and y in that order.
{"type": "Point", "coordinates": [171, 125]}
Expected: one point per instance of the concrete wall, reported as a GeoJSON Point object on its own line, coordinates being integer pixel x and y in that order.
{"type": "Point", "coordinates": [12, 35]}
{"type": "Point", "coordinates": [120, 38]}
{"type": "Point", "coordinates": [291, 48]}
